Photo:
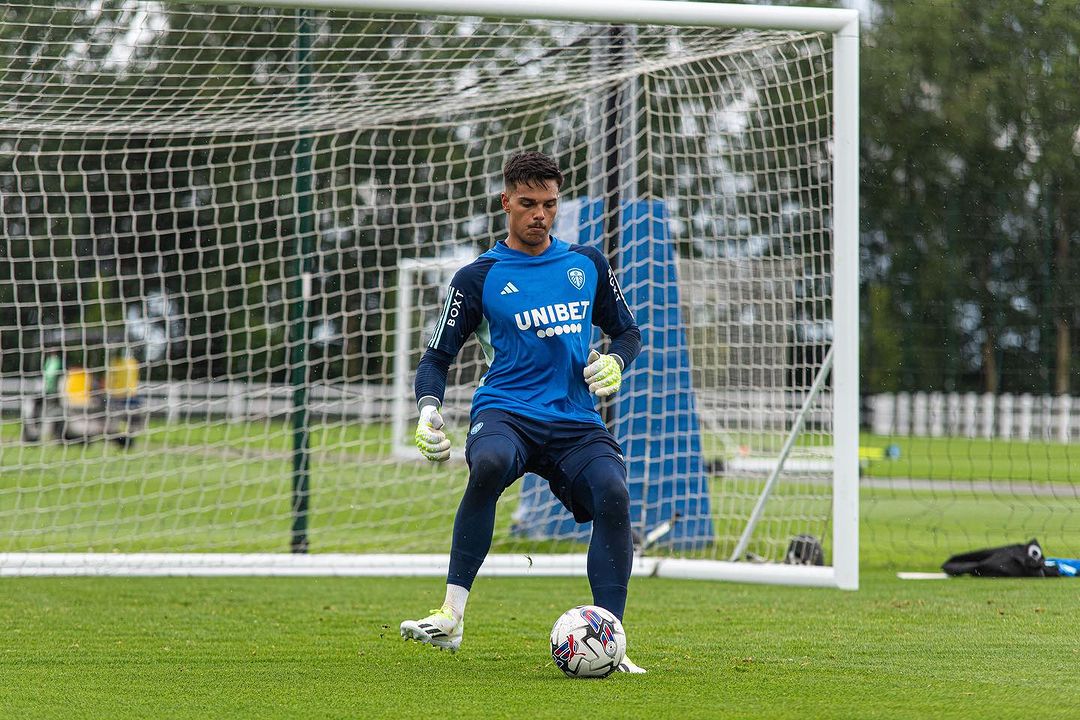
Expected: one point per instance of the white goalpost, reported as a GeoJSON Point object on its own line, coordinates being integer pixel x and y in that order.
{"type": "Point", "coordinates": [230, 228]}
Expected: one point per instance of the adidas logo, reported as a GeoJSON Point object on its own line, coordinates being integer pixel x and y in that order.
{"type": "Point", "coordinates": [509, 289]}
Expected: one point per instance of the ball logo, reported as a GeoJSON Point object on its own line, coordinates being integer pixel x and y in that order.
{"type": "Point", "coordinates": [566, 651]}
{"type": "Point", "coordinates": [476, 428]}
{"type": "Point", "coordinates": [577, 277]}
{"type": "Point", "coordinates": [603, 628]}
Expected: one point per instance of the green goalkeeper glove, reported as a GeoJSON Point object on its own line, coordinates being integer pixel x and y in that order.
{"type": "Point", "coordinates": [430, 439]}
{"type": "Point", "coordinates": [603, 374]}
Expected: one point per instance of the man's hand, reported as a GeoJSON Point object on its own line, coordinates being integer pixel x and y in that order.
{"type": "Point", "coordinates": [430, 439]}
{"type": "Point", "coordinates": [603, 374]}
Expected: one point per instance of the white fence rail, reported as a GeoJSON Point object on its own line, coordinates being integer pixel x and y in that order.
{"type": "Point", "coordinates": [178, 401]}
{"type": "Point", "coordinates": [235, 401]}
{"type": "Point", "coordinates": [1013, 417]}
{"type": "Point", "coordinates": [1054, 418]}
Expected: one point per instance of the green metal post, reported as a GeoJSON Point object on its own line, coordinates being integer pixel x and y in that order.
{"type": "Point", "coordinates": [1047, 349]}
{"type": "Point", "coordinates": [300, 295]}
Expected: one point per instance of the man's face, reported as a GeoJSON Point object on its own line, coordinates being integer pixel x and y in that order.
{"type": "Point", "coordinates": [531, 212]}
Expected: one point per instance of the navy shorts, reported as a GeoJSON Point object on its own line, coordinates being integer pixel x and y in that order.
{"type": "Point", "coordinates": [556, 451]}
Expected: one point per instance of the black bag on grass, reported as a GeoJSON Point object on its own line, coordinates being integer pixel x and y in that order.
{"type": "Point", "coordinates": [1022, 560]}
{"type": "Point", "coordinates": [804, 550]}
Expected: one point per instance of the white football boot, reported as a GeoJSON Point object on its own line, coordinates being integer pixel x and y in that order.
{"type": "Point", "coordinates": [627, 666]}
{"type": "Point", "coordinates": [439, 629]}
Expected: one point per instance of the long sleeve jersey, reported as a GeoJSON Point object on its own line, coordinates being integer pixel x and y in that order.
{"type": "Point", "coordinates": [533, 316]}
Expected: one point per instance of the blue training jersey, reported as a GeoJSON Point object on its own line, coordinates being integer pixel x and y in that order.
{"type": "Point", "coordinates": [533, 316]}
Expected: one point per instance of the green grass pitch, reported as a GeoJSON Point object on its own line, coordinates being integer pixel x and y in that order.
{"type": "Point", "coordinates": [225, 487]}
{"type": "Point", "coordinates": [329, 647]}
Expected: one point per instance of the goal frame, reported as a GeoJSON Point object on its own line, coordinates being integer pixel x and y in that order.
{"type": "Point", "coordinates": [843, 24]}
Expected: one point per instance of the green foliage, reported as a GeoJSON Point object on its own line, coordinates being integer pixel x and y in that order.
{"type": "Point", "coordinates": [882, 354]}
{"type": "Point", "coordinates": [186, 186]}
{"type": "Point", "coordinates": [968, 155]}
{"type": "Point", "coordinates": [969, 178]}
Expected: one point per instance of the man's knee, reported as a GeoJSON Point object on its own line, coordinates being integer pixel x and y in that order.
{"type": "Point", "coordinates": [607, 484]}
{"type": "Point", "coordinates": [492, 463]}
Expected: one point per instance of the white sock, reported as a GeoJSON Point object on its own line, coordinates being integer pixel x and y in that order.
{"type": "Point", "coordinates": [456, 597]}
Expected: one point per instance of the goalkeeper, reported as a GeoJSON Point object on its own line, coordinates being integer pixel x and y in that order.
{"type": "Point", "coordinates": [532, 301]}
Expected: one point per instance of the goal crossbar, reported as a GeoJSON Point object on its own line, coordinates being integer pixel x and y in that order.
{"type": "Point", "coordinates": [835, 20]}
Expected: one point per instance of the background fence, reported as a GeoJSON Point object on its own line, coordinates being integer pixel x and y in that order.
{"type": "Point", "coordinates": [973, 415]}
{"type": "Point", "coordinates": [176, 401]}
{"type": "Point", "coordinates": [921, 414]}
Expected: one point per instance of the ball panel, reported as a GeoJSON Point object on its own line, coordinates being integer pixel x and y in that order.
{"type": "Point", "coordinates": [587, 641]}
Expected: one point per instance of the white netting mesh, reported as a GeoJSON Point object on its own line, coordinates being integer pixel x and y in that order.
{"type": "Point", "coordinates": [158, 163]}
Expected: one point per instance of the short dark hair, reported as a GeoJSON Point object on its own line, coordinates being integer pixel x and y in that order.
{"type": "Point", "coordinates": [531, 168]}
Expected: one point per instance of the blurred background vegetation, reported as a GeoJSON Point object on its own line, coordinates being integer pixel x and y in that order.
{"type": "Point", "coordinates": [970, 136]}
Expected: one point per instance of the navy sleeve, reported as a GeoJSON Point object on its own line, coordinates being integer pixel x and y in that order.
{"type": "Point", "coordinates": [626, 345]}
{"type": "Point", "coordinates": [462, 312]}
{"type": "Point", "coordinates": [431, 375]}
{"type": "Point", "coordinates": [610, 312]}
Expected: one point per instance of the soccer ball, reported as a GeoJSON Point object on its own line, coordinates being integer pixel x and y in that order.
{"type": "Point", "coordinates": [587, 642]}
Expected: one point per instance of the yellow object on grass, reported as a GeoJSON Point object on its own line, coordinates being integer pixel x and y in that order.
{"type": "Point", "coordinates": [122, 378]}
{"type": "Point", "coordinates": [76, 387]}
{"type": "Point", "coordinates": [889, 452]}
{"type": "Point", "coordinates": [871, 453]}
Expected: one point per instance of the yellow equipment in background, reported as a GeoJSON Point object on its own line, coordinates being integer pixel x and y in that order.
{"type": "Point", "coordinates": [76, 387]}
{"type": "Point", "coordinates": [122, 377]}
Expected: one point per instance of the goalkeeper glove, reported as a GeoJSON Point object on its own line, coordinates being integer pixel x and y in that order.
{"type": "Point", "coordinates": [603, 374]}
{"type": "Point", "coordinates": [430, 439]}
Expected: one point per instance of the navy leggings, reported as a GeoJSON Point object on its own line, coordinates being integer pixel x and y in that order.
{"type": "Point", "coordinates": [600, 488]}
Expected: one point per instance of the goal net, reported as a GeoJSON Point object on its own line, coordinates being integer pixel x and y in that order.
{"type": "Point", "coordinates": [229, 230]}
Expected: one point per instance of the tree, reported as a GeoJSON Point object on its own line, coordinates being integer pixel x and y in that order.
{"type": "Point", "coordinates": [172, 156]}
{"type": "Point", "coordinates": [969, 158]}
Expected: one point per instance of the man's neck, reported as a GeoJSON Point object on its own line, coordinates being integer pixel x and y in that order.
{"type": "Point", "coordinates": [514, 244]}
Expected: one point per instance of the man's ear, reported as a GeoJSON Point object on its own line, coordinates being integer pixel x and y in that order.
{"type": "Point", "coordinates": [505, 199]}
